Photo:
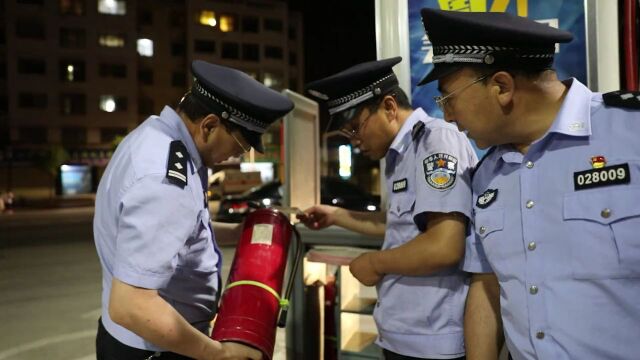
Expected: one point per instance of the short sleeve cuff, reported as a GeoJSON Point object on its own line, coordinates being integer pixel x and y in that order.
{"type": "Point", "coordinates": [443, 207]}
{"type": "Point", "coordinates": [473, 262]}
{"type": "Point", "coordinates": [140, 278]}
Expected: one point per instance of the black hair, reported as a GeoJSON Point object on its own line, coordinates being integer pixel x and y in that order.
{"type": "Point", "coordinates": [191, 107]}
{"type": "Point", "coordinates": [396, 92]}
{"type": "Point", "coordinates": [527, 73]}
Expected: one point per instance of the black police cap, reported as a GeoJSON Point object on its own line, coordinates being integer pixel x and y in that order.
{"type": "Point", "coordinates": [488, 39]}
{"type": "Point", "coordinates": [238, 98]}
{"type": "Point", "coordinates": [344, 91]}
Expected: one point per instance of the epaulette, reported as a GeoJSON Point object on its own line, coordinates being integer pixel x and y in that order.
{"type": "Point", "coordinates": [177, 164]}
{"type": "Point", "coordinates": [623, 99]}
{"type": "Point", "coordinates": [486, 155]}
{"type": "Point", "coordinates": [417, 130]}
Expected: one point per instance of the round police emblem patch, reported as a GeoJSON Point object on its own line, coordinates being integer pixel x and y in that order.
{"type": "Point", "coordinates": [440, 170]}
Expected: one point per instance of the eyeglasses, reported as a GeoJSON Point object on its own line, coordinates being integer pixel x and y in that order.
{"type": "Point", "coordinates": [442, 100]}
{"type": "Point", "coordinates": [245, 149]}
{"type": "Point", "coordinates": [350, 134]}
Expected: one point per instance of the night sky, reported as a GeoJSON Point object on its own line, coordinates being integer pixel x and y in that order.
{"type": "Point", "coordinates": [337, 34]}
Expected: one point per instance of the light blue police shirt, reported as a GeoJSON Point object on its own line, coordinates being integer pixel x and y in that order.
{"type": "Point", "coordinates": [153, 234]}
{"type": "Point", "coordinates": [567, 259]}
{"type": "Point", "coordinates": [422, 316]}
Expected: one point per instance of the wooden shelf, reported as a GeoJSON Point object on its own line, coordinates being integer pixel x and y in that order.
{"type": "Point", "coordinates": [359, 342]}
{"type": "Point", "coordinates": [360, 305]}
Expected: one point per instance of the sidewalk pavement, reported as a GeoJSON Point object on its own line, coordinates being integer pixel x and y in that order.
{"type": "Point", "coordinates": [33, 225]}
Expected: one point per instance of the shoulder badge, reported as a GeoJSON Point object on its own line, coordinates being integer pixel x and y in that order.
{"type": "Point", "coordinates": [440, 170]}
{"type": "Point", "coordinates": [177, 164]}
{"type": "Point", "coordinates": [417, 131]}
{"type": "Point", "coordinates": [623, 99]}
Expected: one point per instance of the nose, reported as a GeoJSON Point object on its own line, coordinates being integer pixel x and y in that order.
{"type": "Point", "coordinates": [448, 115]}
{"type": "Point", "coordinates": [356, 142]}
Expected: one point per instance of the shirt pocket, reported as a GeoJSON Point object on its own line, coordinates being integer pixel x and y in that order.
{"type": "Point", "coordinates": [604, 227]}
{"type": "Point", "coordinates": [489, 230]}
{"type": "Point", "coordinates": [487, 222]}
{"type": "Point", "coordinates": [196, 254]}
{"type": "Point", "coordinates": [400, 205]}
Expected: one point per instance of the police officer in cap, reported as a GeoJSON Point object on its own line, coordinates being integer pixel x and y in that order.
{"type": "Point", "coordinates": [553, 246]}
{"type": "Point", "coordinates": [160, 261]}
{"type": "Point", "coordinates": [421, 291]}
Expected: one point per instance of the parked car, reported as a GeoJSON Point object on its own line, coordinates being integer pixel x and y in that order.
{"type": "Point", "coordinates": [333, 191]}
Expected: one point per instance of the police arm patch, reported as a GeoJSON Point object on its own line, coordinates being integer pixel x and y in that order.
{"type": "Point", "coordinates": [177, 164]}
{"type": "Point", "coordinates": [440, 170]}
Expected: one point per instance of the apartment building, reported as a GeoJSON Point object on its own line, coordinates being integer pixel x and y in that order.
{"type": "Point", "coordinates": [75, 75]}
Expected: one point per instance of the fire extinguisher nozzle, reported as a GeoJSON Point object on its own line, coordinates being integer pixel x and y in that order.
{"type": "Point", "coordinates": [282, 321]}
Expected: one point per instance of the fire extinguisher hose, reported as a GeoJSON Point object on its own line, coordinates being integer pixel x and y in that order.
{"type": "Point", "coordinates": [284, 303]}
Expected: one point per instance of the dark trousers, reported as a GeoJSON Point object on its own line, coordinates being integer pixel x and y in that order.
{"type": "Point", "coordinates": [109, 348]}
{"type": "Point", "coordinates": [390, 355]}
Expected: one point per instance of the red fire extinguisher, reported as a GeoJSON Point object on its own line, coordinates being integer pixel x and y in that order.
{"type": "Point", "coordinates": [251, 305]}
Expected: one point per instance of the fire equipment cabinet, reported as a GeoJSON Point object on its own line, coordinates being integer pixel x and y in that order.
{"type": "Point", "coordinates": [347, 327]}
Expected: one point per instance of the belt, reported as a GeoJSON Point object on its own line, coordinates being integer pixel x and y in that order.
{"type": "Point", "coordinates": [110, 348]}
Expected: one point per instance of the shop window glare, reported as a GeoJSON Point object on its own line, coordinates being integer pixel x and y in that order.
{"type": "Point", "coordinates": [344, 156]}
{"type": "Point", "coordinates": [227, 23]}
{"type": "Point", "coordinates": [207, 18]}
{"type": "Point", "coordinates": [111, 40]}
{"type": "Point", "coordinates": [112, 7]}
{"type": "Point", "coordinates": [145, 47]}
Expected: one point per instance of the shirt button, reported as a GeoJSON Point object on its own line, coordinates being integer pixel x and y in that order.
{"type": "Point", "coordinates": [540, 335]}
{"type": "Point", "coordinates": [398, 208]}
{"type": "Point", "coordinates": [531, 246]}
{"type": "Point", "coordinates": [530, 204]}
{"type": "Point", "coordinates": [533, 289]}
{"type": "Point", "coordinates": [605, 213]}
{"type": "Point", "coordinates": [482, 229]}
{"type": "Point", "coordinates": [529, 164]}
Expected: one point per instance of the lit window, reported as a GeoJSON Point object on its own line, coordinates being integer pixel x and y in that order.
{"type": "Point", "coordinates": [272, 80]}
{"type": "Point", "coordinates": [207, 18]}
{"type": "Point", "coordinates": [110, 103]}
{"type": "Point", "coordinates": [145, 47]}
{"type": "Point", "coordinates": [107, 103]}
{"type": "Point", "coordinates": [227, 23]}
{"type": "Point", "coordinates": [71, 70]}
{"type": "Point", "coordinates": [112, 7]}
{"type": "Point", "coordinates": [111, 40]}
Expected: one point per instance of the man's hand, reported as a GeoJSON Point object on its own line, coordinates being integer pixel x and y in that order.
{"type": "Point", "coordinates": [364, 270]}
{"type": "Point", "coordinates": [237, 351]}
{"type": "Point", "coordinates": [319, 216]}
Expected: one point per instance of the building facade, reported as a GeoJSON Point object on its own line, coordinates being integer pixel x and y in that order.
{"type": "Point", "coordinates": [76, 75]}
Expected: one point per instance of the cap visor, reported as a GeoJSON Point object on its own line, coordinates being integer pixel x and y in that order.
{"type": "Point", "coordinates": [340, 119]}
{"type": "Point", "coordinates": [439, 72]}
{"type": "Point", "coordinates": [254, 139]}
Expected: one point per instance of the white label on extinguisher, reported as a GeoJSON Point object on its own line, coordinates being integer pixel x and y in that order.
{"type": "Point", "coordinates": [262, 234]}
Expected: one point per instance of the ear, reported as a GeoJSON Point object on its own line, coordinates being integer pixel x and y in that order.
{"type": "Point", "coordinates": [503, 87]}
{"type": "Point", "coordinates": [390, 107]}
{"type": "Point", "coordinates": [208, 124]}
